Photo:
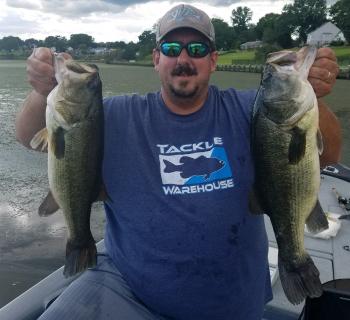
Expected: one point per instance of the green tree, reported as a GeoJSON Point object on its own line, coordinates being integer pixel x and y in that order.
{"type": "Point", "coordinates": [275, 29]}
{"type": "Point", "coordinates": [81, 41]}
{"type": "Point", "coordinates": [243, 30]}
{"type": "Point", "coordinates": [116, 45]}
{"type": "Point", "coordinates": [58, 42]}
{"type": "Point", "coordinates": [147, 41]}
{"type": "Point", "coordinates": [267, 24]}
{"type": "Point", "coordinates": [340, 13]}
{"type": "Point", "coordinates": [31, 43]}
{"type": "Point", "coordinates": [224, 35]}
{"type": "Point", "coordinates": [240, 18]}
{"type": "Point", "coordinates": [11, 43]}
{"type": "Point", "coordinates": [304, 16]}
{"type": "Point", "coordinates": [129, 53]}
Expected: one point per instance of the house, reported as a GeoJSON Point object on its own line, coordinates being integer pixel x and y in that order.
{"type": "Point", "coordinates": [251, 45]}
{"type": "Point", "coordinates": [99, 50]}
{"type": "Point", "coordinates": [325, 34]}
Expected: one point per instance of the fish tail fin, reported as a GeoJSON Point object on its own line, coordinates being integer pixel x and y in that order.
{"type": "Point", "coordinates": [40, 138]}
{"type": "Point", "coordinates": [317, 220]}
{"type": "Point", "coordinates": [79, 257]}
{"type": "Point", "coordinates": [169, 166]}
{"type": "Point", "coordinates": [300, 280]}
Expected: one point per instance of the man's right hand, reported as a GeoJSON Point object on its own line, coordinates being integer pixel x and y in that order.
{"type": "Point", "coordinates": [40, 70]}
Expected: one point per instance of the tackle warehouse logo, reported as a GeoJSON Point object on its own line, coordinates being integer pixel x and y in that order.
{"type": "Point", "coordinates": [195, 168]}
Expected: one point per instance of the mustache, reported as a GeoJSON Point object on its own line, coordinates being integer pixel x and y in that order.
{"type": "Point", "coordinates": [184, 69]}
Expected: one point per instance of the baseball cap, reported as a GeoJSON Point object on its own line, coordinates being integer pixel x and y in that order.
{"type": "Point", "coordinates": [185, 16]}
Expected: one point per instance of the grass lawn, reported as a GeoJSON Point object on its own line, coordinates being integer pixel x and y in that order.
{"type": "Point", "coordinates": [226, 58]}
{"type": "Point", "coordinates": [249, 56]}
{"type": "Point", "coordinates": [342, 51]}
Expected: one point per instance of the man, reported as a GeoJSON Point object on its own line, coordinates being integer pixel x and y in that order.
{"type": "Point", "coordinates": [180, 241]}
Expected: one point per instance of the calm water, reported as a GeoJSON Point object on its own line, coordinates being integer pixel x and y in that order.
{"type": "Point", "coordinates": [32, 247]}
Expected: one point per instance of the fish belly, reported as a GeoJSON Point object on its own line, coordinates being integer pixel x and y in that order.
{"type": "Point", "coordinates": [75, 180]}
{"type": "Point", "coordinates": [288, 193]}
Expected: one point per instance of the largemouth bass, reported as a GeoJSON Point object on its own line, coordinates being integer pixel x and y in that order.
{"type": "Point", "coordinates": [74, 140]}
{"type": "Point", "coordinates": [286, 144]}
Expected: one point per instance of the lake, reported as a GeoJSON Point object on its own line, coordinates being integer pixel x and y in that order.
{"type": "Point", "coordinates": [31, 247]}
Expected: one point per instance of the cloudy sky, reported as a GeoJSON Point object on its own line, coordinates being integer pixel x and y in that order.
{"type": "Point", "coordinates": [108, 20]}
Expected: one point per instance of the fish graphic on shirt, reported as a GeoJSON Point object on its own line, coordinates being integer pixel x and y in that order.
{"type": "Point", "coordinates": [189, 167]}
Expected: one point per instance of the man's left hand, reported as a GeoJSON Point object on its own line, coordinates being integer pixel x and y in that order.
{"type": "Point", "coordinates": [323, 72]}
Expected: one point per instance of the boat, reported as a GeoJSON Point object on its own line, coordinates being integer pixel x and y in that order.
{"type": "Point", "coordinates": [330, 252]}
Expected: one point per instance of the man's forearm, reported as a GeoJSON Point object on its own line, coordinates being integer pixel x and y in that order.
{"type": "Point", "coordinates": [31, 118]}
{"type": "Point", "coordinates": [331, 135]}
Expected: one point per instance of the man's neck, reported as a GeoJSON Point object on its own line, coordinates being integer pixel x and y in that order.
{"type": "Point", "coordinates": [184, 106]}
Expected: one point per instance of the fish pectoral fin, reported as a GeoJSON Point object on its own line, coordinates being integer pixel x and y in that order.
{"type": "Point", "coordinates": [319, 141]}
{"type": "Point", "coordinates": [317, 220]}
{"type": "Point", "coordinates": [40, 138]}
{"type": "Point", "coordinates": [297, 145]}
{"type": "Point", "coordinates": [58, 143]}
{"type": "Point", "coordinates": [48, 206]}
{"type": "Point", "coordinates": [254, 203]}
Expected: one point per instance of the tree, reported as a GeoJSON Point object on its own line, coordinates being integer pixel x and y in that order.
{"type": "Point", "coordinates": [243, 30]}
{"type": "Point", "coordinates": [147, 41]}
{"type": "Point", "coordinates": [340, 13]}
{"type": "Point", "coordinates": [275, 29]}
{"type": "Point", "coordinates": [117, 45]}
{"type": "Point", "coordinates": [31, 43]}
{"type": "Point", "coordinates": [58, 42]}
{"type": "Point", "coordinates": [129, 53]}
{"type": "Point", "coordinates": [267, 24]}
{"type": "Point", "coordinates": [240, 18]}
{"type": "Point", "coordinates": [304, 16]}
{"type": "Point", "coordinates": [10, 43]}
{"type": "Point", "coordinates": [81, 41]}
{"type": "Point", "coordinates": [224, 35]}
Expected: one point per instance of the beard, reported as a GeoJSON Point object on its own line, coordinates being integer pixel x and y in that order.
{"type": "Point", "coordinates": [181, 91]}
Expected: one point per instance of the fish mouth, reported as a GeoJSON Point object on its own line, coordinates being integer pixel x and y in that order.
{"type": "Point", "coordinates": [287, 60]}
{"type": "Point", "coordinates": [282, 58]}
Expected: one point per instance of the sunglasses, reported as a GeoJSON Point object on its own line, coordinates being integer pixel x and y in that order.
{"type": "Point", "coordinates": [194, 49]}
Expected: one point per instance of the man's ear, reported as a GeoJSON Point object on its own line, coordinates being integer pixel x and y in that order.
{"type": "Point", "coordinates": [213, 59]}
{"type": "Point", "coordinates": [156, 56]}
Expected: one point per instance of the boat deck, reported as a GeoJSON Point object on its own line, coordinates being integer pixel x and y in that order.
{"type": "Point", "coordinates": [331, 256]}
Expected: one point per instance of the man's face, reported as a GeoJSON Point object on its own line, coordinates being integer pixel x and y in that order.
{"type": "Point", "coordinates": [184, 76]}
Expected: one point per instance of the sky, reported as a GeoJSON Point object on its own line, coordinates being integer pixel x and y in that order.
{"type": "Point", "coordinates": [109, 20]}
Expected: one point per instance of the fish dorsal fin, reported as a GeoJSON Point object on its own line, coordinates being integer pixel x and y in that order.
{"type": "Point", "coordinates": [57, 145]}
{"type": "Point", "coordinates": [297, 145]}
{"type": "Point", "coordinates": [40, 138]}
{"type": "Point", "coordinates": [317, 220]}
